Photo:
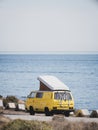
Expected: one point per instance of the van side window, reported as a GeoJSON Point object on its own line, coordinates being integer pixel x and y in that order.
{"type": "Point", "coordinates": [39, 95]}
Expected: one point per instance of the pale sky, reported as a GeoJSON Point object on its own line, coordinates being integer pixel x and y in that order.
{"type": "Point", "coordinates": [48, 25]}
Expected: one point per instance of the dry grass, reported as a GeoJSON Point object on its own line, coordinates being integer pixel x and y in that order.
{"type": "Point", "coordinates": [3, 121]}
{"type": "Point", "coordinates": [58, 123]}
{"type": "Point", "coordinates": [6, 124]}
{"type": "Point", "coordinates": [66, 125]}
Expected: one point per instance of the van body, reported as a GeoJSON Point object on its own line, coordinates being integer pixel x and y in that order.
{"type": "Point", "coordinates": [50, 102]}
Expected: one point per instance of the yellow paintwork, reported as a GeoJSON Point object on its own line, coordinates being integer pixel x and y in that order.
{"type": "Point", "coordinates": [48, 100]}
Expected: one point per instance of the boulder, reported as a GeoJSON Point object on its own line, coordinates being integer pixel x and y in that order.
{"type": "Point", "coordinates": [11, 105]}
{"type": "Point", "coordinates": [21, 102]}
{"type": "Point", "coordinates": [94, 114]}
{"type": "Point", "coordinates": [21, 107]}
{"type": "Point", "coordinates": [1, 106]}
{"type": "Point", "coordinates": [82, 113]}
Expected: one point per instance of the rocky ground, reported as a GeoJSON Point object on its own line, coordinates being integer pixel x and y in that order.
{"type": "Point", "coordinates": [12, 114]}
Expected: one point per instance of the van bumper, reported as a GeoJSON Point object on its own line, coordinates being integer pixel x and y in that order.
{"type": "Point", "coordinates": [58, 111]}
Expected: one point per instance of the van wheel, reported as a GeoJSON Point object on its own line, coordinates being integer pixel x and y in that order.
{"type": "Point", "coordinates": [47, 112]}
{"type": "Point", "coordinates": [32, 111]}
{"type": "Point", "coordinates": [66, 114]}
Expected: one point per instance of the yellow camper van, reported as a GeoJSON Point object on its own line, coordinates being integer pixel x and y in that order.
{"type": "Point", "coordinates": [50, 102]}
{"type": "Point", "coordinates": [50, 98]}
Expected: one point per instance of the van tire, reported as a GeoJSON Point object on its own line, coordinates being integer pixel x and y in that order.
{"type": "Point", "coordinates": [66, 114]}
{"type": "Point", "coordinates": [32, 111]}
{"type": "Point", "coordinates": [47, 112]}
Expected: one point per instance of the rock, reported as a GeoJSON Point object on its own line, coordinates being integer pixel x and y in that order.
{"type": "Point", "coordinates": [21, 102]}
{"type": "Point", "coordinates": [59, 118]}
{"type": "Point", "coordinates": [82, 113]}
{"type": "Point", "coordinates": [1, 103]}
{"type": "Point", "coordinates": [72, 114]}
{"type": "Point", "coordinates": [1, 106]}
{"type": "Point", "coordinates": [21, 107]}
{"type": "Point", "coordinates": [11, 105]}
{"type": "Point", "coordinates": [94, 113]}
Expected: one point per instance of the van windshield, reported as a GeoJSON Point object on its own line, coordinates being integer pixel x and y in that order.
{"type": "Point", "coordinates": [31, 95]}
{"type": "Point", "coordinates": [62, 96]}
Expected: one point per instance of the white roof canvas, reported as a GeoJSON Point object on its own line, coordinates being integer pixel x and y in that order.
{"type": "Point", "coordinates": [52, 82]}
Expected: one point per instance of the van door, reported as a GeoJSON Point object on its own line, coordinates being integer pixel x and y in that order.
{"type": "Point", "coordinates": [30, 99]}
{"type": "Point", "coordinates": [38, 101]}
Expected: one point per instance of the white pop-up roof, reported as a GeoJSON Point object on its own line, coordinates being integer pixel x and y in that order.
{"type": "Point", "coordinates": [52, 82]}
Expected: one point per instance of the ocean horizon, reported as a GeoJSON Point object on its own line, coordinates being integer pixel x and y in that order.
{"type": "Point", "coordinates": [49, 52]}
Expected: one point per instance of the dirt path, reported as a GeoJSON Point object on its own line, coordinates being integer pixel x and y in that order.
{"type": "Point", "coordinates": [42, 117]}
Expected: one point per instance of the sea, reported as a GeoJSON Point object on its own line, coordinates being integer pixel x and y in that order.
{"type": "Point", "coordinates": [19, 72]}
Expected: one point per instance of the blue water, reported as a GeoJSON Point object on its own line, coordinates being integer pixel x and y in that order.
{"type": "Point", "coordinates": [18, 75]}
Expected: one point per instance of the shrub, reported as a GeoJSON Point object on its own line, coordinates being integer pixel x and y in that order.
{"type": "Point", "coordinates": [9, 99]}
{"type": "Point", "coordinates": [26, 125]}
{"type": "Point", "coordinates": [1, 96]}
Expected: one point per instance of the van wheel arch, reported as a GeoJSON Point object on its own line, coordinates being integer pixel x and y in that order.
{"type": "Point", "coordinates": [31, 110]}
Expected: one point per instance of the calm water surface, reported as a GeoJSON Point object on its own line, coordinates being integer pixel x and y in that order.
{"type": "Point", "coordinates": [18, 75]}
